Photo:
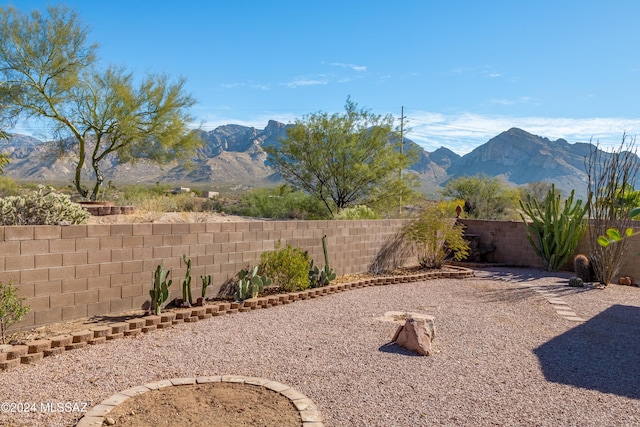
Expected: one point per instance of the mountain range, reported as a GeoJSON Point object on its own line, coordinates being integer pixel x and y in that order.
{"type": "Point", "coordinates": [234, 155]}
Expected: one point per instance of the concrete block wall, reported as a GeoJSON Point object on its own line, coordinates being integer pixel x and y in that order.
{"type": "Point", "coordinates": [510, 239]}
{"type": "Point", "coordinates": [69, 272]}
{"type": "Point", "coordinates": [513, 247]}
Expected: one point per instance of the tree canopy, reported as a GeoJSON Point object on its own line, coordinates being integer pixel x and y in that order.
{"type": "Point", "coordinates": [345, 159]}
{"type": "Point", "coordinates": [484, 197]}
{"type": "Point", "coordinates": [51, 74]}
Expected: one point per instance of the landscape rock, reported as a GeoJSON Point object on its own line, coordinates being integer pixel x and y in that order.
{"type": "Point", "coordinates": [626, 281]}
{"type": "Point", "coordinates": [416, 334]}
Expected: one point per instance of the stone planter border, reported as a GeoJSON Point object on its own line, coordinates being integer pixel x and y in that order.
{"type": "Point", "coordinates": [33, 351]}
{"type": "Point", "coordinates": [309, 414]}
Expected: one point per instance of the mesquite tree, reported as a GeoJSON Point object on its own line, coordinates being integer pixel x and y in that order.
{"type": "Point", "coordinates": [345, 160]}
{"type": "Point", "coordinates": [49, 75]}
{"type": "Point", "coordinates": [610, 175]}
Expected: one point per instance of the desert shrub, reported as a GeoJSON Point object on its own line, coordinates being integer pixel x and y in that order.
{"type": "Point", "coordinates": [41, 207]}
{"type": "Point", "coordinates": [288, 267]}
{"type": "Point", "coordinates": [11, 308]}
{"type": "Point", "coordinates": [8, 187]}
{"type": "Point", "coordinates": [140, 192]}
{"type": "Point", "coordinates": [356, 212]}
{"type": "Point", "coordinates": [435, 235]}
{"type": "Point", "coordinates": [611, 206]}
{"type": "Point", "coordinates": [281, 203]}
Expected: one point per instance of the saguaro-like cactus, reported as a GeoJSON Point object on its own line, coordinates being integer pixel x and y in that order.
{"type": "Point", "coordinates": [206, 281]}
{"type": "Point", "coordinates": [552, 232]}
{"type": "Point", "coordinates": [186, 283]}
{"type": "Point", "coordinates": [160, 290]}
{"type": "Point", "coordinates": [322, 277]}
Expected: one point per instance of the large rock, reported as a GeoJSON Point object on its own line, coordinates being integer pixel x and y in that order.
{"type": "Point", "coordinates": [416, 334]}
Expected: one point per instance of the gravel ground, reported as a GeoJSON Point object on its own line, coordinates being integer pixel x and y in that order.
{"type": "Point", "coordinates": [504, 356]}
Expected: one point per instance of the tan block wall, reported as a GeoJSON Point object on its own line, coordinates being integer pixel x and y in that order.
{"type": "Point", "coordinates": [68, 272]}
{"type": "Point", "coordinates": [513, 247]}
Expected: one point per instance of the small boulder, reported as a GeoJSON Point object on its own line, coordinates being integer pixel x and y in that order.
{"type": "Point", "coordinates": [626, 281]}
{"type": "Point", "coordinates": [416, 334]}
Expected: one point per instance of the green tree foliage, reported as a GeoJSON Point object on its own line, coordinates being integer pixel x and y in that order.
{"type": "Point", "coordinates": [345, 159]}
{"type": "Point", "coordinates": [50, 73]}
{"type": "Point", "coordinates": [535, 191]}
{"type": "Point", "coordinates": [4, 159]}
{"type": "Point", "coordinates": [554, 233]}
{"type": "Point", "coordinates": [484, 197]}
{"type": "Point", "coordinates": [435, 235]}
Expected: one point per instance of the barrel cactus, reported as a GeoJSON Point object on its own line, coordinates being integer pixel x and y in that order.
{"type": "Point", "coordinates": [576, 282]}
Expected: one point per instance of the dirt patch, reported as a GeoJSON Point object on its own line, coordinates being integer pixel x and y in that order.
{"type": "Point", "coordinates": [210, 405]}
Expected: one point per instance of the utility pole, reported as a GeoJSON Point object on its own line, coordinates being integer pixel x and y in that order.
{"type": "Point", "coordinates": [401, 152]}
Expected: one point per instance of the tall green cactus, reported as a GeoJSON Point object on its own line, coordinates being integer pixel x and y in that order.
{"type": "Point", "coordinates": [206, 281]}
{"type": "Point", "coordinates": [554, 233]}
{"type": "Point", "coordinates": [160, 290]}
{"type": "Point", "coordinates": [317, 277]}
{"type": "Point", "coordinates": [186, 283]}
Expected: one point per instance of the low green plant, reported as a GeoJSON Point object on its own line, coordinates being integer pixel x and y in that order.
{"type": "Point", "coordinates": [554, 233]}
{"type": "Point", "coordinates": [613, 235]}
{"type": "Point", "coordinates": [281, 202]}
{"type": "Point", "coordinates": [186, 283]}
{"type": "Point", "coordinates": [435, 235]}
{"type": "Point", "coordinates": [160, 289]}
{"type": "Point", "coordinates": [44, 206]}
{"type": "Point", "coordinates": [288, 267]}
{"type": "Point", "coordinates": [12, 309]}
{"type": "Point", "coordinates": [250, 284]}
{"type": "Point", "coordinates": [322, 277]}
{"type": "Point", "coordinates": [206, 281]}
{"type": "Point", "coordinates": [356, 212]}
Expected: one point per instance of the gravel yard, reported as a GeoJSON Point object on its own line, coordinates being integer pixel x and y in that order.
{"type": "Point", "coordinates": [505, 357]}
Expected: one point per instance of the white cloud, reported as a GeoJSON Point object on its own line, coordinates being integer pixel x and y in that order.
{"type": "Point", "coordinates": [462, 133]}
{"type": "Point", "coordinates": [354, 67]}
{"type": "Point", "coordinates": [305, 82]}
{"type": "Point", "coordinates": [521, 100]}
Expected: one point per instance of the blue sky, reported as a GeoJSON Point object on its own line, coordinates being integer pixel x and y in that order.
{"type": "Point", "coordinates": [463, 70]}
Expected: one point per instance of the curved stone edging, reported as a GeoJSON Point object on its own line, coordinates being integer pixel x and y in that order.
{"type": "Point", "coordinates": [309, 414]}
{"type": "Point", "coordinates": [33, 351]}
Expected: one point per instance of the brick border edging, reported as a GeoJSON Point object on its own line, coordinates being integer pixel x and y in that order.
{"type": "Point", "coordinates": [13, 355]}
{"type": "Point", "coordinates": [309, 414]}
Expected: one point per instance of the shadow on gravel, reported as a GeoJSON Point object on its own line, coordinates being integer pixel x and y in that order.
{"type": "Point", "coordinates": [602, 354]}
{"type": "Point", "coordinates": [394, 348]}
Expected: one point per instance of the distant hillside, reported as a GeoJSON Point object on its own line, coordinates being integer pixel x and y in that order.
{"type": "Point", "coordinates": [234, 154]}
{"type": "Point", "coordinates": [519, 157]}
